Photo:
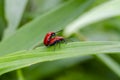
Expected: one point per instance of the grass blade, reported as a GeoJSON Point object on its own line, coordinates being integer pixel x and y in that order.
{"type": "Point", "coordinates": [26, 58]}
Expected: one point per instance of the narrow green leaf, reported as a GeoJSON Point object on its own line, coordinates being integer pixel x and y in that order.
{"type": "Point", "coordinates": [14, 10]}
{"type": "Point", "coordinates": [26, 58]}
{"type": "Point", "coordinates": [104, 11]}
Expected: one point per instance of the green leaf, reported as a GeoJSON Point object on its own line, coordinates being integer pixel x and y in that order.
{"type": "Point", "coordinates": [26, 58]}
{"type": "Point", "coordinates": [33, 33]}
{"type": "Point", "coordinates": [14, 10]}
{"type": "Point", "coordinates": [104, 11]}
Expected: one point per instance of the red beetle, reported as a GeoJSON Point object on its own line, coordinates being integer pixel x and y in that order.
{"type": "Point", "coordinates": [48, 37]}
{"type": "Point", "coordinates": [56, 40]}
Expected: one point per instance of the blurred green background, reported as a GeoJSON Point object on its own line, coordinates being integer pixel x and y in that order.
{"type": "Point", "coordinates": [16, 14]}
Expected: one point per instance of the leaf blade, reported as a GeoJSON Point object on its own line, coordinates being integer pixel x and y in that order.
{"type": "Point", "coordinates": [27, 58]}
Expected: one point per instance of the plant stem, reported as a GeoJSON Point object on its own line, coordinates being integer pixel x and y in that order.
{"type": "Point", "coordinates": [20, 75]}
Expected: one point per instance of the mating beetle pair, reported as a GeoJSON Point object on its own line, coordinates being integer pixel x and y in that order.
{"type": "Point", "coordinates": [51, 39]}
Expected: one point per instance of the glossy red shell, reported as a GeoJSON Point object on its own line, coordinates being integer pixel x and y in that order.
{"type": "Point", "coordinates": [47, 38]}
{"type": "Point", "coordinates": [55, 40]}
